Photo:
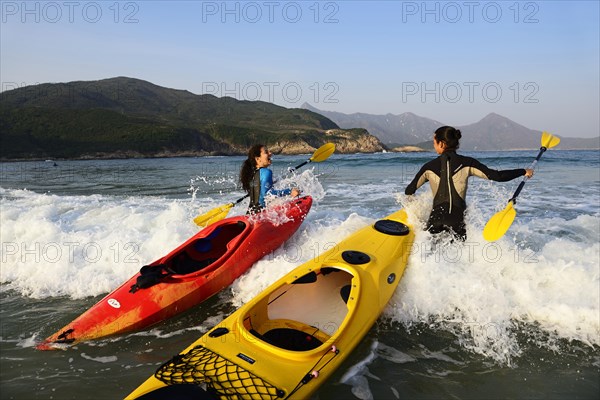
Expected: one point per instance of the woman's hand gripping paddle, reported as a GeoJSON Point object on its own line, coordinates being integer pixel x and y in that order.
{"type": "Point", "coordinates": [218, 213]}
{"type": "Point", "coordinates": [502, 220]}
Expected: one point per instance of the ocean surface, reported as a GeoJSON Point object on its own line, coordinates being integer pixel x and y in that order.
{"type": "Point", "coordinates": [517, 318]}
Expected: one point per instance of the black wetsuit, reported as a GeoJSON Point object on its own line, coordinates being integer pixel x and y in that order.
{"type": "Point", "coordinates": [261, 186]}
{"type": "Point", "coordinates": [255, 204]}
{"type": "Point", "coordinates": [448, 176]}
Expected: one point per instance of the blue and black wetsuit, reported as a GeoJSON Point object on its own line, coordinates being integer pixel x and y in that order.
{"type": "Point", "coordinates": [448, 176]}
{"type": "Point", "coordinates": [261, 186]}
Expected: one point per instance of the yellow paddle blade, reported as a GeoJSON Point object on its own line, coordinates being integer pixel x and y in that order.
{"type": "Point", "coordinates": [499, 223]}
{"type": "Point", "coordinates": [323, 152]}
{"type": "Point", "coordinates": [214, 215]}
{"type": "Point", "coordinates": [549, 140]}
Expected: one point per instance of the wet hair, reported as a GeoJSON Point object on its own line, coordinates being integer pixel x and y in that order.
{"type": "Point", "coordinates": [249, 166]}
{"type": "Point", "coordinates": [450, 136]}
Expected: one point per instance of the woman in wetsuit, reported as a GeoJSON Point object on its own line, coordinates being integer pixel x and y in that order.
{"type": "Point", "coordinates": [257, 179]}
{"type": "Point", "coordinates": [448, 175]}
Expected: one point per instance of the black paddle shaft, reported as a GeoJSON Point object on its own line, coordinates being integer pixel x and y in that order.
{"type": "Point", "coordinates": [299, 165]}
{"type": "Point", "coordinates": [240, 199]}
{"type": "Point", "coordinates": [520, 187]}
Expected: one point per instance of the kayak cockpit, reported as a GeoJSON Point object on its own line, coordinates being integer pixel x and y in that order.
{"type": "Point", "coordinates": [201, 253]}
{"type": "Point", "coordinates": [197, 256]}
{"type": "Point", "coordinates": [304, 314]}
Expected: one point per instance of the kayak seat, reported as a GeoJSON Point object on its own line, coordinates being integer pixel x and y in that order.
{"type": "Point", "coordinates": [217, 243]}
{"type": "Point", "coordinates": [291, 335]}
{"type": "Point", "coordinates": [291, 339]}
{"type": "Point", "coordinates": [203, 245]}
{"type": "Point", "coordinates": [205, 251]}
{"type": "Point", "coordinates": [184, 264]}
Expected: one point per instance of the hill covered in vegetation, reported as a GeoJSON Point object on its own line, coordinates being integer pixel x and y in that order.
{"type": "Point", "coordinates": [126, 117]}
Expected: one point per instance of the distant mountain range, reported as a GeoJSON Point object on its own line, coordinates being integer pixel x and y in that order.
{"type": "Point", "coordinates": [126, 117]}
{"type": "Point", "coordinates": [493, 132]}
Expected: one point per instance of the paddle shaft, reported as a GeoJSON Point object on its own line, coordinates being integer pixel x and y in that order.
{"type": "Point", "coordinates": [300, 165]}
{"type": "Point", "coordinates": [525, 179]}
{"type": "Point", "coordinates": [240, 199]}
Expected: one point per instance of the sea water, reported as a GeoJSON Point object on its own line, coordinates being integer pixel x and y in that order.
{"type": "Point", "coordinates": [517, 318]}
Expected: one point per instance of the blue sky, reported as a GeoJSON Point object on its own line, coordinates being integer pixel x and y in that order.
{"type": "Point", "coordinates": [535, 62]}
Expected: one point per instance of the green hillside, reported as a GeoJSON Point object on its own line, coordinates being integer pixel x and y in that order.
{"type": "Point", "coordinates": [137, 118]}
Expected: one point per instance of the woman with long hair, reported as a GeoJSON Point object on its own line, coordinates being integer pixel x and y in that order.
{"type": "Point", "coordinates": [448, 175]}
{"type": "Point", "coordinates": [257, 179]}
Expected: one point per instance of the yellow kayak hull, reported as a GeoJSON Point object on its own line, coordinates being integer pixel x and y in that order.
{"type": "Point", "coordinates": [290, 338]}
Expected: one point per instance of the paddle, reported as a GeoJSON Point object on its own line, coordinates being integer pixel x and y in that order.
{"type": "Point", "coordinates": [502, 220]}
{"type": "Point", "coordinates": [218, 213]}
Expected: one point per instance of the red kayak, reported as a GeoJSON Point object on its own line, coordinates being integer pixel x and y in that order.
{"type": "Point", "coordinates": [201, 267]}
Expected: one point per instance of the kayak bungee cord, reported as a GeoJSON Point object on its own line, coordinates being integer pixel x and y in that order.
{"type": "Point", "coordinates": [315, 373]}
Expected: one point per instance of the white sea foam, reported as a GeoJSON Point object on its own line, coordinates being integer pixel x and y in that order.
{"type": "Point", "coordinates": [485, 292]}
{"type": "Point", "coordinates": [356, 375]}
{"type": "Point", "coordinates": [543, 273]}
{"type": "Point", "coordinates": [103, 360]}
{"type": "Point", "coordinates": [82, 246]}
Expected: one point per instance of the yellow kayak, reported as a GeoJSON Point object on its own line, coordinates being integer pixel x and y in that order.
{"type": "Point", "coordinates": [290, 338]}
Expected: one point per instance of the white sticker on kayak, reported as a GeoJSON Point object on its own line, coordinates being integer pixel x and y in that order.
{"type": "Point", "coordinates": [114, 303]}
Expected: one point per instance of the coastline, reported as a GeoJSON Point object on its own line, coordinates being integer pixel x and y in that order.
{"type": "Point", "coordinates": [170, 154]}
{"type": "Point", "coordinates": [124, 155]}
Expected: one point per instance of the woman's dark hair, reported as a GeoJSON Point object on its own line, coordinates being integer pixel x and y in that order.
{"type": "Point", "coordinates": [450, 136]}
{"type": "Point", "coordinates": [249, 166]}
